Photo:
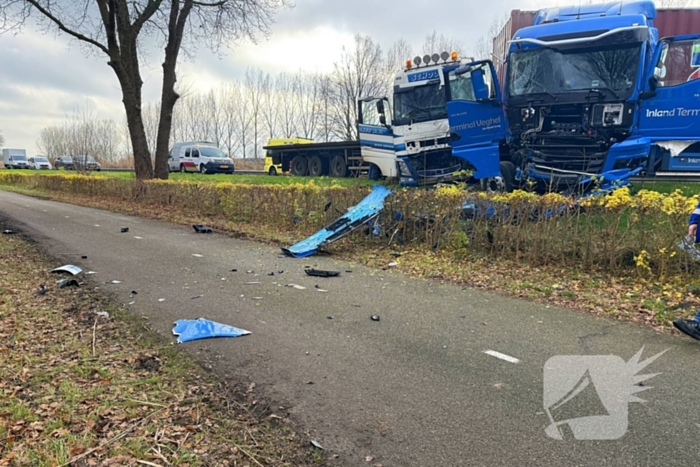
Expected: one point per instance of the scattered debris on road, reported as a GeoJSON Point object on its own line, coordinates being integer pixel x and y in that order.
{"type": "Point", "coordinates": [103, 313]}
{"type": "Point", "coordinates": [321, 273]}
{"type": "Point", "coordinates": [69, 268]}
{"type": "Point", "coordinates": [200, 228]}
{"type": "Point", "coordinates": [316, 444]}
{"type": "Point", "coordinates": [8, 232]}
{"type": "Point", "coordinates": [63, 283]}
{"type": "Point", "coordinates": [125, 229]}
{"type": "Point", "coordinates": [161, 299]}
{"type": "Point", "coordinates": [321, 290]}
{"type": "Point", "coordinates": [189, 330]}
{"type": "Point", "coordinates": [393, 264]}
{"type": "Point", "coordinates": [197, 255]}
{"type": "Point", "coordinates": [42, 290]}
{"type": "Point", "coordinates": [196, 297]}
{"type": "Point", "coordinates": [297, 286]}
{"type": "Point", "coordinates": [253, 283]}
{"type": "Point", "coordinates": [84, 257]}
{"type": "Point", "coordinates": [375, 318]}
{"type": "Point", "coordinates": [116, 282]}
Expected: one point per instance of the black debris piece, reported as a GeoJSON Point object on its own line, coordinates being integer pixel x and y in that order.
{"type": "Point", "coordinates": [321, 273]}
{"type": "Point", "coordinates": [348, 270]}
{"type": "Point", "coordinates": [396, 255]}
{"type": "Point", "coordinates": [133, 292]}
{"type": "Point", "coordinates": [148, 363]}
{"type": "Point", "coordinates": [328, 206]}
{"type": "Point", "coordinates": [196, 297]}
{"type": "Point", "coordinates": [280, 271]}
{"type": "Point", "coordinates": [125, 229]}
{"type": "Point", "coordinates": [297, 219]}
{"type": "Point", "coordinates": [63, 283]}
{"type": "Point", "coordinates": [310, 382]}
{"type": "Point", "coordinates": [200, 228]}
{"type": "Point", "coordinates": [329, 317]}
{"type": "Point", "coordinates": [234, 270]}
{"type": "Point", "coordinates": [8, 232]}
{"type": "Point", "coordinates": [270, 273]}
{"type": "Point", "coordinates": [375, 317]}
{"type": "Point", "coordinates": [316, 444]}
{"type": "Point", "coordinates": [42, 290]}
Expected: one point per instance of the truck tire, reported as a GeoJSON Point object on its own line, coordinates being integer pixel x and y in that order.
{"type": "Point", "coordinates": [504, 182]}
{"type": "Point", "coordinates": [272, 171]}
{"type": "Point", "coordinates": [374, 173]}
{"type": "Point", "coordinates": [338, 167]}
{"type": "Point", "coordinates": [300, 166]}
{"type": "Point", "coordinates": [315, 166]}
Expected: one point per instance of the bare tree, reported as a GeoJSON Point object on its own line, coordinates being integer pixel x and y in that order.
{"type": "Point", "coordinates": [483, 50]}
{"type": "Point", "coordinates": [229, 95]}
{"type": "Point", "coordinates": [271, 103]}
{"type": "Point", "coordinates": [117, 29]}
{"type": "Point", "coordinates": [310, 97]}
{"type": "Point", "coordinates": [356, 75]}
{"type": "Point", "coordinates": [255, 86]}
{"type": "Point", "coordinates": [438, 43]}
{"type": "Point", "coordinates": [2, 139]}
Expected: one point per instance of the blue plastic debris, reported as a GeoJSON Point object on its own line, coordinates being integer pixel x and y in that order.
{"type": "Point", "coordinates": [193, 329]}
{"type": "Point", "coordinates": [368, 209]}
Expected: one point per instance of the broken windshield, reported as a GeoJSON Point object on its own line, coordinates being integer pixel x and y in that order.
{"type": "Point", "coordinates": [560, 71]}
{"type": "Point", "coordinates": [419, 104]}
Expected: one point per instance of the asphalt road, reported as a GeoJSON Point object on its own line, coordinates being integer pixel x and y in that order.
{"type": "Point", "coordinates": [415, 388]}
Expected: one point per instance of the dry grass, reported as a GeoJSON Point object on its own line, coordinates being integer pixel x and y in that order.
{"type": "Point", "coordinates": [80, 388]}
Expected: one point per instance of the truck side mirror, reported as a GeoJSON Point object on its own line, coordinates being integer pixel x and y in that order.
{"type": "Point", "coordinates": [653, 83]}
{"type": "Point", "coordinates": [382, 120]}
{"type": "Point", "coordinates": [380, 107]}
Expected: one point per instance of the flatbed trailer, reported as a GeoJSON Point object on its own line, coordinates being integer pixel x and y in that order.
{"type": "Point", "coordinates": [335, 159]}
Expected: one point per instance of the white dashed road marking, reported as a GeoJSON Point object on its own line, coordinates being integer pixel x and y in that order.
{"type": "Point", "coordinates": [502, 356]}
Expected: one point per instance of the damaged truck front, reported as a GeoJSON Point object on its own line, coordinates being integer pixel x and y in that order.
{"type": "Point", "coordinates": [591, 96]}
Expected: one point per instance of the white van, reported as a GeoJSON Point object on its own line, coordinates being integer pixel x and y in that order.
{"type": "Point", "coordinates": [15, 158]}
{"type": "Point", "coordinates": [199, 156]}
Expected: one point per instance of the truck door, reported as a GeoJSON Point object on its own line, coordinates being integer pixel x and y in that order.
{"type": "Point", "coordinates": [477, 120]}
{"type": "Point", "coordinates": [670, 106]}
{"type": "Point", "coordinates": [376, 135]}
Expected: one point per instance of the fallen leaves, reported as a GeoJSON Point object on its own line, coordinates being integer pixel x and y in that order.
{"type": "Point", "coordinates": [75, 389]}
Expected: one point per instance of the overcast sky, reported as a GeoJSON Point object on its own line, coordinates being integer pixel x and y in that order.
{"type": "Point", "coordinates": [44, 77]}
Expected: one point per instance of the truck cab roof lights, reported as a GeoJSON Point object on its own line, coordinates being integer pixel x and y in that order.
{"type": "Point", "coordinates": [409, 64]}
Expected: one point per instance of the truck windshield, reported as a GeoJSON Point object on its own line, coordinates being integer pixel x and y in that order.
{"type": "Point", "coordinates": [553, 71]}
{"type": "Point", "coordinates": [18, 158]}
{"type": "Point", "coordinates": [212, 152]}
{"type": "Point", "coordinates": [419, 104]}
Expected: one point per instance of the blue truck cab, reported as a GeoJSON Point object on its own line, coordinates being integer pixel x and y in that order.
{"type": "Point", "coordinates": [592, 95]}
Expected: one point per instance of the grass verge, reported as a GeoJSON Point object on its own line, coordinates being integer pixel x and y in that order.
{"type": "Point", "coordinates": [83, 382]}
{"type": "Point", "coordinates": [594, 290]}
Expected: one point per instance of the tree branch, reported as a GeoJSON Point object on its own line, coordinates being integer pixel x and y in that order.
{"type": "Point", "coordinates": [65, 29]}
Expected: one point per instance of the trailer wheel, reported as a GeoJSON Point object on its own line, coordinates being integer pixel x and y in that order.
{"type": "Point", "coordinates": [300, 166]}
{"type": "Point", "coordinates": [315, 166]}
{"type": "Point", "coordinates": [338, 167]}
{"type": "Point", "coordinates": [272, 171]}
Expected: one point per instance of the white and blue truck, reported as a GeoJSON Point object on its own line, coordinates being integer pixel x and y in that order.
{"type": "Point", "coordinates": [406, 137]}
{"type": "Point", "coordinates": [592, 96]}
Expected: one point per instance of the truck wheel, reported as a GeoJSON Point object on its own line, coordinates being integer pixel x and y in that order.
{"type": "Point", "coordinates": [315, 166]}
{"type": "Point", "coordinates": [373, 173]}
{"type": "Point", "coordinates": [504, 182]}
{"type": "Point", "coordinates": [338, 167]}
{"type": "Point", "coordinates": [272, 171]}
{"type": "Point", "coordinates": [300, 166]}
{"type": "Point", "coordinates": [182, 168]}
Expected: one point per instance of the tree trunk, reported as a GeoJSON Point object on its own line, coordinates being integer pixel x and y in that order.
{"type": "Point", "coordinates": [131, 97]}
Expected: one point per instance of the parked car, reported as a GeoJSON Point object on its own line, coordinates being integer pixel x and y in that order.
{"type": "Point", "coordinates": [86, 163]}
{"type": "Point", "coordinates": [199, 156]}
{"type": "Point", "coordinates": [64, 162]}
{"type": "Point", "coordinates": [39, 163]}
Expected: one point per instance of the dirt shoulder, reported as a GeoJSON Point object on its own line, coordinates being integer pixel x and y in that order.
{"type": "Point", "coordinates": [84, 382]}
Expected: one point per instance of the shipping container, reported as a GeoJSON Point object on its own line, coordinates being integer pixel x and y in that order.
{"type": "Point", "coordinates": [669, 22]}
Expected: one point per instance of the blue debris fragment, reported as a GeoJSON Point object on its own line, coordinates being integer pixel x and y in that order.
{"type": "Point", "coordinates": [368, 209]}
{"type": "Point", "coordinates": [193, 329]}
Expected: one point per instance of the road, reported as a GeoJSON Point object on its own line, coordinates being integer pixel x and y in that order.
{"type": "Point", "coordinates": [413, 389]}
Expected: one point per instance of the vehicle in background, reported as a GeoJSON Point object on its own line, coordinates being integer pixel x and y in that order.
{"type": "Point", "coordinates": [15, 159]}
{"type": "Point", "coordinates": [591, 96]}
{"type": "Point", "coordinates": [270, 167]}
{"type": "Point", "coordinates": [64, 162]}
{"type": "Point", "coordinates": [39, 163]}
{"type": "Point", "coordinates": [86, 163]}
{"type": "Point", "coordinates": [199, 156]}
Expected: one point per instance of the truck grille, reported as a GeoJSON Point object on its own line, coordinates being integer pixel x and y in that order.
{"type": "Point", "coordinates": [571, 153]}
